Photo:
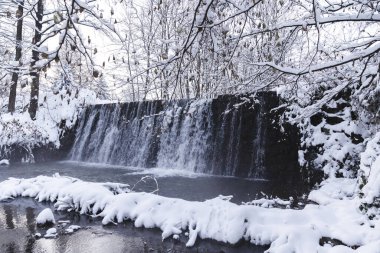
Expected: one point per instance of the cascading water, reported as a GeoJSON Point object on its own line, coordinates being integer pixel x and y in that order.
{"type": "Point", "coordinates": [229, 135]}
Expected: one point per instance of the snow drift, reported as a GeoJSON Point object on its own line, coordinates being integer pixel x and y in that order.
{"type": "Point", "coordinates": [285, 230]}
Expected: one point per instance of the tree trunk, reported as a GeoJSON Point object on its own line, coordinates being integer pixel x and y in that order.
{"type": "Point", "coordinates": [35, 73]}
{"type": "Point", "coordinates": [13, 89]}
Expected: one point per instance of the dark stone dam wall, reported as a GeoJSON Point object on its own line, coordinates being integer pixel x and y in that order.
{"type": "Point", "coordinates": [230, 135]}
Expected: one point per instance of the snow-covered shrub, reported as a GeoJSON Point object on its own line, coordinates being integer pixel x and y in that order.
{"type": "Point", "coordinates": [369, 177]}
{"type": "Point", "coordinates": [367, 95]}
{"type": "Point", "coordinates": [373, 105]}
{"type": "Point", "coordinates": [51, 233]}
{"type": "Point", "coordinates": [333, 138]}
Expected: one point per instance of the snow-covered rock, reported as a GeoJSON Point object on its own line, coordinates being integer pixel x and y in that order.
{"type": "Point", "coordinates": [46, 216]}
{"type": "Point", "coordinates": [286, 230]}
{"type": "Point", "coordinates": [332, 135]}
{"type": "Point", "coordinates": [72, 228]}
{"type": "Point", "coordinates": [4, 162]}
{"type": "Point", "coordinates": [51, 233]}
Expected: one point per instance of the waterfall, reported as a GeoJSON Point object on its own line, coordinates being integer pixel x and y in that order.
{"type": "Point", "coordinates": [224, 136]}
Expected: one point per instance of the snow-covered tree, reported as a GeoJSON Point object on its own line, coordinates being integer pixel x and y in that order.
{"type": "Point", "coordinates": [55, 25]}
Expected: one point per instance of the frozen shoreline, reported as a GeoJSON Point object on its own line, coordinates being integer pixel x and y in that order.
{"type": "Point", "coordinates": [285, 230]}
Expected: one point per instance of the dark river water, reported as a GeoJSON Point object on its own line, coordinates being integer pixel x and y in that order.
{"type": "Point", "coordinates": [17, 217]}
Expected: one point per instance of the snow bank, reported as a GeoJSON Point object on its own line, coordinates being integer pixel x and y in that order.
{"type": "Point", "coordinates": [333, 189]}
{"type": "Point", "coordinates": [332, 143]}
{"type": "Point", "coordinates": [19, 129]}
{"type": "Point", "coordinates": [45, 216]}
{"type": "Point", "coordinates": [285, 230]}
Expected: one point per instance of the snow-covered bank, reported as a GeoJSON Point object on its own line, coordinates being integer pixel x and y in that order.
{"type": "Point", "coordinates": [337, 216]}
{"type": "Point", "coordinates": [4, 162]}
{"type": "Point", "coordinates": [57, 112]}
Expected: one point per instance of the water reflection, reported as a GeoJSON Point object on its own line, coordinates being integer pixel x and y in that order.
{"type": "Point", "coordinates": [8, 217]}
{"type": "Point", "coordinates": [30, 223]}
{"type": "Point", "coordinates": [30, 216]}
{"type": "Point", "coordinates": [93, 237]}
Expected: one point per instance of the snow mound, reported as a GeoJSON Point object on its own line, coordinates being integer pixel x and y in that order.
{"type": "Point", "coordinates": [51, 233]}
{"type": "Point", "coordinates": [333, 189]}
{"type": "Point", "coordinates": [45, 217]}
{"type": "Point", "coordinates": [4, 162]}
{"type": "Point", "coordinates": [72, 228]}
{"type": "Point", "coordinates": [54, 110]}
{"type": "Point", "coordinates": [370, 169]}
{"type": "Point", "coordinates": [285, 230]}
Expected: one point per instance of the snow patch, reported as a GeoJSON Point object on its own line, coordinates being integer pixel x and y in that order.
{"type": "Point", "coordinates": [333, 189]}
{"type": "Point", "coordinates": [370, 169]}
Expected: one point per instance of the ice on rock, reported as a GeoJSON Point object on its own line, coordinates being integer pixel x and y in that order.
{"type": "Point", "coordinates": [45, 217]}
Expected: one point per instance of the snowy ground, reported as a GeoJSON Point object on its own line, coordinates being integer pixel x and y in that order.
{"type": "Point", "coordinates": [336, 215]}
